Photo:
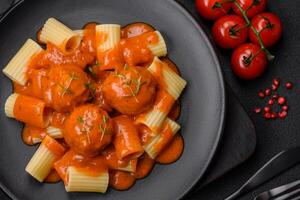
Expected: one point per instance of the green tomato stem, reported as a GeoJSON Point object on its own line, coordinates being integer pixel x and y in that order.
{"type": "Point", "coordinates": [244, 13]}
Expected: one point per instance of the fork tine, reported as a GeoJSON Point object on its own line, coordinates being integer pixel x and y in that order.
{"type": "Point", "coordinates": [276, 191]}
{"type": "Point", "coordinates": [288, 195]}
{"type": "Point", "coordinates": [297, 198]}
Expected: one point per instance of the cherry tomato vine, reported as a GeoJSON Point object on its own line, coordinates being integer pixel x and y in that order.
{"type": "Point", "coordinates": [231, 31]}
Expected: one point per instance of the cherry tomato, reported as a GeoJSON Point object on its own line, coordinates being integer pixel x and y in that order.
{"type": "Point", "coordinates": [269, 26]}
{"type": "Point", "coordinates": [248, 61]}
{"type": "Point", "coordinates": [230, 31]}
{"type": "Point", "coordinates": [212, 9]}
{"type": "Point", "coordinates": [254, 7]}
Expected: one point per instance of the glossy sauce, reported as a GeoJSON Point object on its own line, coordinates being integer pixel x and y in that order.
{"type": "Point", "coordinates": [52, 145]}
{"type": "Point", "coordinates": [132, 51]}
{"type": "Point", "coordinates": [120, 180]}
{"type": "Point", "coordinates": [31, 111]}
{"type": "Point", "coordinates": [144, 166]}
{"type": "Point", "coordinates": [93, 166]}
{"type": "Point", "coordinates": [53, 177]}
{"type": "Point", "coordinates": [82, 94]}
{"type": "Point", "coordinates": [32, 135]}
{"type": "Point", "coordinates": [145, 134]}
{"type": "Point", "coordinates": [172, 152]}
{"type": "Point", "coordinates": [112, 160]}
{"type": "Point", "coordinates": [127, 141]}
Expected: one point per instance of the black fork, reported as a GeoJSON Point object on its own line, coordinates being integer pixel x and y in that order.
{"type": "Point", "coordinates": [290, 191]}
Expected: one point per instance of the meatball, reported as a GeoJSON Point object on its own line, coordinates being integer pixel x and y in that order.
{"type": "Point", "coordinates": [88, 130]}
{"type": "Point", "coordinates": [66, 87]}
{"type": "Point", "coordinates": [130, 90]}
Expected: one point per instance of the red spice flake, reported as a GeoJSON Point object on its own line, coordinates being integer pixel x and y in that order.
{"type": "Point", "coordinates": [257, 110]}
{"type": "Point", "coordinates": [261, 95]}
{"type": "Point", "coordinates": [273, 115]}
{"type": "Point", "coordinates": [274, 87]}
{"type": "Point", "coordinates": [285, 108]}
{"type": "Point", "coordinates": [271, 102]}
{"type": "Point", "coordinates": [267, 109]}
{"type": "Point", "coordinates": [281, 100]}
{"type": "Point", "coordinates": [276, 81]}
{"type": "Point", "coordinates": [289, 85]}
{"type": "Point", "coordinates": [268, 92]}
{"type": "Point", "coordinates": [282, 114]}
{"type": "Point", "coordinates": [267, 115]}
{"type": "Point", "coordinates": [275, 99]}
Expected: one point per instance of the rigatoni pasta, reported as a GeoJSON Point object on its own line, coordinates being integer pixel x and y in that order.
{"type": "Point", "coordinates": [60, 35]}
{"type": "Point", "coordinates": [107, 36]}
{"type": "Point", "coordinates": [155, 117]}
{"type": "Point", "coordinates": [130, 167]}
{"type": "Point", "coordinates": [16, 68]}
{"type": "Point", "coordinates": [54, 132]}
{"type": "Point", "coordinates": [160, 48]}
{"type": "Point", "coordinates": [166, 78]}
{"type": "Point", "coordinates": [159, 142]}
{"type": "Point", "coordinates": [127, 142]}
{"type": "Point", "coordinates": [80, 180]}
{"type": "Point", "coordinates": [100, 102]}
{"type": "Point", "coordinates": [113, 162]}
{"type": "Point", "coordinates": [41, 163]}
{"type": "Point", "coordinates": [21, 107]}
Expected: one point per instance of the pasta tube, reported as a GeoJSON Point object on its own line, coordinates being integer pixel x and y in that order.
{"type": "Point", "coordinates": [154, 118]}
{"type": "Point", "coordinates": [41, 163]}
{"type": "Point", "coordinates": [160, 48]}
{"type": "Point", "coordinates": [16, 68]}
{"type": "Point", "coordinates": [107, 36]}
{"type": "Point", "coordinates": [127, 142]}
{"type": "Point", "coordinates": [26, 109]}
{"type": "Point", "coordinates": [159, 142]}
{"type": "Point", "coordinates": [166, 78]}
{"type": "Point", "coordinates": [79, 32]}
{"type": "Point", "coordinates": [54, 132]}
{"type": "Point", "coordinates": [113, 162]}
{"type": "Point", "coordinates": [81, 180]}
{"type": "Point", "coordinates": [60, 35]}
{"type": "Point", "coordinates": [130, 167]}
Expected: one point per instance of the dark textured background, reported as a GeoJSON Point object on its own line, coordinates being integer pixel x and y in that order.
{"type": "Point", "coordinates": [272, 136]}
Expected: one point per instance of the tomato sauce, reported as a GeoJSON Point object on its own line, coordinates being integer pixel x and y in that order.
{"type": "Point", "coordinates": [52, 145]}
{"type": "Point", "coordinates": [53, 177]}
{"type": "Point", "coordinates": [32, 135]}
{"type": "Point", "coordinates": [94, 97]}
{"type": "Point", "coordinates": [144, 166]}
{"type": "Point", "coordinates": [112, 160]}
{"type": "Point", "coordinates": [31, 111]}
{"type": "Point", "coordinates": [127, 141]}
{"type": "Point", "coordinates": [120, 180]}
{"type": "Point", "coordinates": [175, 111]}
{"type": "Point", "coordinates": [145, 134]}
{"type": "Point", "coordinates": [172, 152]}
{"type": "Point", "coordinates": [94, 166]}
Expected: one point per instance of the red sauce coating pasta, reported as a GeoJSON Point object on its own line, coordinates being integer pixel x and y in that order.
{"type": "Point", "coordinates": [94, 97]}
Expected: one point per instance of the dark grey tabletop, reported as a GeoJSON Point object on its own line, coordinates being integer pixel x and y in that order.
{"type": "Point", "coordinates": [272, 136]}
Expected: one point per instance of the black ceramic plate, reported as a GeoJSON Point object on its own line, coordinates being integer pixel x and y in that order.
{"type": "Point", "coordinates": [203, 101]}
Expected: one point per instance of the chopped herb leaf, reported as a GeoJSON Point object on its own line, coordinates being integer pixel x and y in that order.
{"type": "Point", "coordinates": [80, 119]}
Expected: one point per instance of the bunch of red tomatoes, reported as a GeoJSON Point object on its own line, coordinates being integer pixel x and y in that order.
{"type": "Point", "coordinates": [247, 22]}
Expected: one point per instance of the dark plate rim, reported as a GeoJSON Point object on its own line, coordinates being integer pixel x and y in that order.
{"type": "Point", "coordinates": [213, 53]}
